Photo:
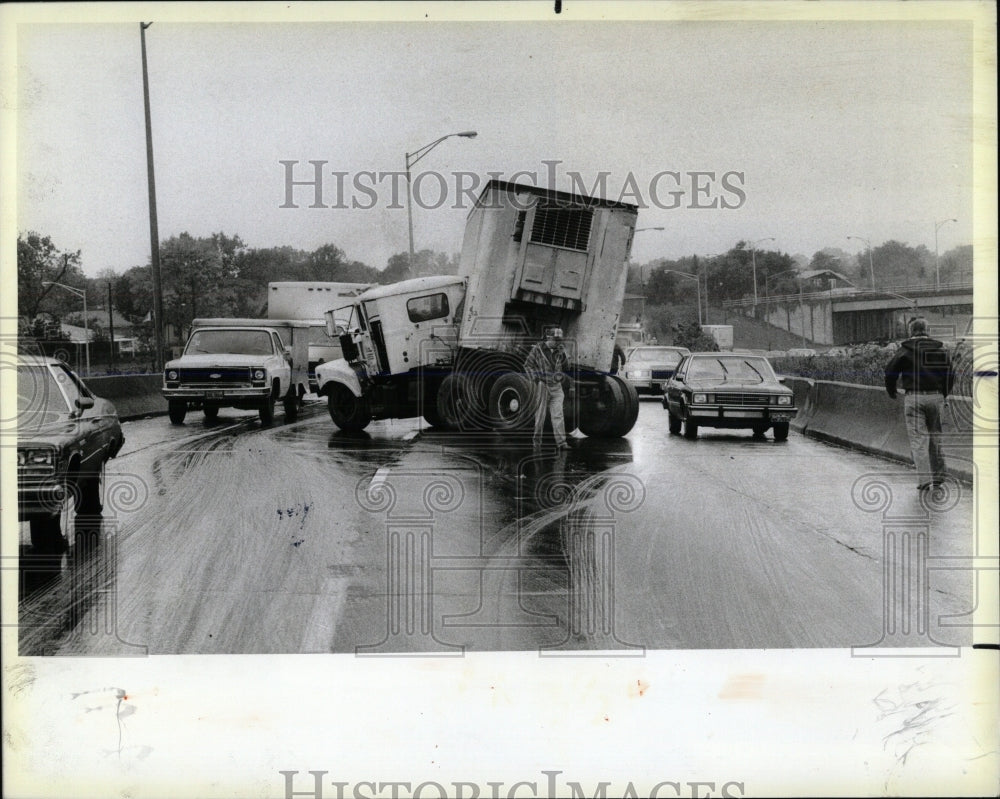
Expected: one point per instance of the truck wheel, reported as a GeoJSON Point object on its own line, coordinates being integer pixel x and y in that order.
{"type": "Point", "coordinates": [177, 410]}
{"type": "Point", "coordinates": [690, 429]}
{"type": "Point", "coordinates": [512, 402]}
{"type": "Point", "coordinates": [781, 431]}
{"type": "Point", "coordinates": [447, 401]}
{"type": "Point", "coordinates": [347, 411]}
{"type": "Point", "coordinates": [613, 413]}
{"type": "Point", "coordinates": [211, 413]}
{"type": "Point", "coordinates": [673, 423]}
{"type": "Point", "coordinates": [758, 431]}
{"type": "Point", "coordinates": [267, 410]}
{"type": "Point", "coordinates": [291, 403]}
{"type": "Point", "coordinates": [46, 536]}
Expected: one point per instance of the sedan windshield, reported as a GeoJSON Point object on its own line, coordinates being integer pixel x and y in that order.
{"type": "Point", "coordinates": [39, 398]}
{"type": "Point", "coordinates": [655, 355]}
{"type": "Point", "coordinates": [230, 342]}
{"type": "Point", "coordinates": [731, 369]}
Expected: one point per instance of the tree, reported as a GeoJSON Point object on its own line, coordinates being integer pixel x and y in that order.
{"type": "Point", "coordinates": [956, 265]}
{"type": "Point", "coordinates": [38, 261]}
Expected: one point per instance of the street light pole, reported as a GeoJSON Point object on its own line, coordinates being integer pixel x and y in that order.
{"type": "Point", "coordinates": [937, 267]}
{"type": "Point", "coordinates": [642, 281]}
{"type": "Point", "coordinates": [871, 263]}
{"type": "Point", "coordinates": [697, 283]}
{"type": "Point", "coordinates": [411, 159]}
{"type": "Point", "coordinates": [753, 259]}
{"type": "Point", "coordinates": [86, 327]}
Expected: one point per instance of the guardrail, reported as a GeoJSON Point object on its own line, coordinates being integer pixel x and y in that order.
{"type": "Point", "coordinates": [881, 293]}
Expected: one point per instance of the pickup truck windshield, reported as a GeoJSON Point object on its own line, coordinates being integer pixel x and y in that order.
{"type": "Point", "coordinates": [229, 342]}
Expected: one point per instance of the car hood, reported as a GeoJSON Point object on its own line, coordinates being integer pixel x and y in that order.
{"type": "Point", "coordinates": [215, 359]}
{"type": "Point", "coordinates": [737, 385]}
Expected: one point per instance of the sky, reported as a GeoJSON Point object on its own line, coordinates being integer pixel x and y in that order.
{"type": "Point", "coordinates": [828, 129]}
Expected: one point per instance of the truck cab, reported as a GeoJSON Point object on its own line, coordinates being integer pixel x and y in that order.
{"type": "Point", "coordinates": [391, 335]}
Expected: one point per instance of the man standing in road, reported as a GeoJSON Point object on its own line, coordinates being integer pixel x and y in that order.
{"type": "Point", "coordinates": [546, 366]}
{"type": "Point", "coordinates": [924, 371]}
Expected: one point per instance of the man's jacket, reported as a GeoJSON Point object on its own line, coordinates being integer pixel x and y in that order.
{"type": "Point", "coordinates": [546, 365]}
{"type": "Point", "coordinates": [921, 364]}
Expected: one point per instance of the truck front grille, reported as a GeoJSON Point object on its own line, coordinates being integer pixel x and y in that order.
{"type": "Point", "coordinates": [221, 377]}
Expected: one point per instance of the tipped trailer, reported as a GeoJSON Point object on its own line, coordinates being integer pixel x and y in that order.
{"type": "Point", "coordinates": [452, 348]}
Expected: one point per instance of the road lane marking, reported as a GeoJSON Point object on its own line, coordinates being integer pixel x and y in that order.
{"type": "Point", "coordinates": [322, 624]}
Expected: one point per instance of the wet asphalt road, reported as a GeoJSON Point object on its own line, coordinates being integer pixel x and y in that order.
{"type": "Point", "coordinates": [297, 538]}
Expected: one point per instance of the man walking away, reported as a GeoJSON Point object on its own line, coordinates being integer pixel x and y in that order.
{"type": "Point", "coordinates": [545, 366]}
{"type": "Point", "coordinates": [923, 369]}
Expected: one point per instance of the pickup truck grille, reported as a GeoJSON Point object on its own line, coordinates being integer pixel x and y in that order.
{"type": "Point", "coordinates": [221, 377]}
{"type": "Point", "coordinates": [743, 399]}
{"type": "Point", "coordinates": [662, 374]}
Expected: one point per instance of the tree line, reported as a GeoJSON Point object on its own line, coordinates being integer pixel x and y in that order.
{"type": "Point", "coordinates": [215, 275]}
{"type": "Point", "coordinates": [730, 276]}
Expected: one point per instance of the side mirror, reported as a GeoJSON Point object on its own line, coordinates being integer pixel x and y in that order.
{"type": "Point", "coordinates": [83, 403]}
{"type": "Point", "coordinates": [332, 328]}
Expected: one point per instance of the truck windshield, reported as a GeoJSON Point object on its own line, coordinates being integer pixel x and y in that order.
{"type": "Point", "coordinates": [229, 342]}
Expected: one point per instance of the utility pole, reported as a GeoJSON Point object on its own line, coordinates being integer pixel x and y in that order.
{"type": "Point", "coordinates": [154, 234]}
{"type": "Point", "coordinates": [111, 325]}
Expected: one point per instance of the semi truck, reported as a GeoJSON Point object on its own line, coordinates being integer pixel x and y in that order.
{"type": "Point", "coordinates": [451, 348]}
{"type": "Point", "coordinates": [239, 363]}
{"type": "Point", "coordinates": [309, 301]}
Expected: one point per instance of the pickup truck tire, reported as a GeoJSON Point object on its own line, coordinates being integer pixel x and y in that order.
{"type": "Point", "coordinates": [781, 431]}
{"type": "Point", "coordinates": [266, 411]}
{"type": "Point", "coordinates": [690, 430]}
{"type": "Point", "coordinates": [291, 403]}
{"type": "Point", "coordinates": [347, 411]}
{"type": "Point", "coordinates": [177, 410]}
{"type": "Point", "coordinates": [673, 423]}
{"type": "Point", "coordinates": [211, 413]}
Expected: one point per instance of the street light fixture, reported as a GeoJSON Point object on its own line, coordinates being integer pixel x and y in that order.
{"type": "Point", "coordinates": [697, 283]}
{"type": "Point", "coordinates": [937, 267]}
{"type": "Point", "coordinates": [871, 264]}
{"type": "Point", "coordinates": [411, 159]}
{"type": "Point", "coordinates": [86, 328]}
{"type": "Point", "coordinates": [753, 259]}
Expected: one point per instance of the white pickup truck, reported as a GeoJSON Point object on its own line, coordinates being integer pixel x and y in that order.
{"type": "Point", "coordinates": [239, 363]}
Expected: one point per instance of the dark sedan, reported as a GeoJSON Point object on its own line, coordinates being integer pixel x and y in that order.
{"type": "Point", "coordinates": [649, 368]}
{"type": "Point", "coordinates": [718, 389]}
{"type": "Point", "coordinates": [65, 435]}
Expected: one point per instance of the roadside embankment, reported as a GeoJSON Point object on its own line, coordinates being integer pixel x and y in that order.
{"type": "Point", "coordinates": [865, 418]}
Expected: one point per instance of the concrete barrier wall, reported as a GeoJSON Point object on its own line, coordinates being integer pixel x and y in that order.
{"type": "Point", "coordinates": [865, 418]}
{"type": "Point", "coordinates": [133, 395]}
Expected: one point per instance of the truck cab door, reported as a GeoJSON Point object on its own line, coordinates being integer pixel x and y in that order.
{"type": "Point", "coordinates": [375, 354]}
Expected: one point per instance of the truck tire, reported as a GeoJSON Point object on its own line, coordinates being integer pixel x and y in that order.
{"type": "Point", "coordinates": [347, 411]}
{"type": "Point", "coordinates": [781, 431]}
{"type": "Point", "coordinates": [447, 404]}
{"type": "Point", "coordinates": [211, 413]}
{"type": "Point", "coordinates": [512, 403]}
{"type": "Point", "coordinates": [614, 412]}
{"type": "Point", "coordinates": [571, 411]}
{"type": "Point", "coordinates": [266, 411]}
{"type": "Point", "coordinates": [673, 423]}
{"type": "Point", "coordinates": [291, 403]}
{"type": "Point", "coordinates": [177, 410]}
{"type": "Point", "coordinates": [690, 430]}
